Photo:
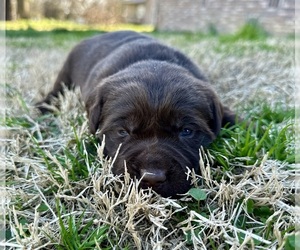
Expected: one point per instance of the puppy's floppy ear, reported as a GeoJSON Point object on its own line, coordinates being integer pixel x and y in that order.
{"type": "Point", "coordinates": [229, 117]}
{"type": "Point", "coordinates": [222, 116]}
{"type": "Point", "coordinates": [94, 106]}
{"type": "Point", "coordinates": [217, 114]}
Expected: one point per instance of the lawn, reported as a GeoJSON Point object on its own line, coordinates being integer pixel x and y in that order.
{"type": "Point", "coordinates": [61, 193]}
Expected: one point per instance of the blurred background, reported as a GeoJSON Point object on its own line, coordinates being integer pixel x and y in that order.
{"type": "Point", "coordinates": [214, 16]}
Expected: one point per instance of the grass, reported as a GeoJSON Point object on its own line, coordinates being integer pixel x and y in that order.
{"type": "Point", "coordinates": [58, 25]}
{"type": "Point", "coordinates": [61, 193]}
{"type": "Point", "coordinates": [270, 132]}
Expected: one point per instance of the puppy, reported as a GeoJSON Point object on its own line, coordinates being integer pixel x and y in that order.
{"type": "Point", "coordinates": [149, 98]}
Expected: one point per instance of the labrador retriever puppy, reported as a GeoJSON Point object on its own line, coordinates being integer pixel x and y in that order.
{"type": "Point", "coordinates": [151, 99]}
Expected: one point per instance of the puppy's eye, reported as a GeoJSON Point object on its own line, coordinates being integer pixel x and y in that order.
{"type": "Point", "coordinates": [186, 132]}
{"type": "Point", "coordinates": [123, 133]}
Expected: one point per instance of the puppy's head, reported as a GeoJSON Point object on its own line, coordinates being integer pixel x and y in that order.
{"type": "Point", "coordinates": [161, 115]}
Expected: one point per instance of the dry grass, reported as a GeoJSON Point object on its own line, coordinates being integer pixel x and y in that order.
{"type": "Point", "coordinates": [47, 206]}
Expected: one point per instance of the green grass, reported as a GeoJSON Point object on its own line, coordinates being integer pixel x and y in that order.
{"type": "Point", "coordinates": [63, 195]}
{"type": "Point", "coordinates": [252, 30]}
{"type": "Point", "coordinates": [77, 234]}
{"type": "Point", "coordinates": [53, 33]}
{"type": "Point", "coordinates": [268, 132]}
{"type": "Point", "coordinates": [58, 25]}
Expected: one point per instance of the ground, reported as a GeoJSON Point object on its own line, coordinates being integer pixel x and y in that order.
{"type": "Point", "coordinates": [61, 193]}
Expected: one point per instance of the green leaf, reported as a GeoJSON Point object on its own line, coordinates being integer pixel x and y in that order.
{"type": "Point", "coordinates": [197, 193]}
{"type": "Point", "coordinates": [290, 242]}
{"type": "Point", "coordinates": [250, 206]}
{"type": "Point", "coordinates": [43, 208]}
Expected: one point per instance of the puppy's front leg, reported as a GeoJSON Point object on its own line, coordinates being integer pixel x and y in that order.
{"type": "Point", "coordinates": [63, 79]}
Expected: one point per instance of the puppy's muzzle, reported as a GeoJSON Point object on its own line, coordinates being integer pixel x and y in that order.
{"type": "Point", "coordinates": [152, 178]}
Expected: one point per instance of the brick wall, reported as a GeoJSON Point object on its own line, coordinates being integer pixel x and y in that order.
{"type": "Point", "coordinates": [276, 16]}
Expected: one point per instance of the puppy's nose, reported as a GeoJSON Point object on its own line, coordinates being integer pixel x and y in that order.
{"type": "Point", "coordinates": [152, 178]}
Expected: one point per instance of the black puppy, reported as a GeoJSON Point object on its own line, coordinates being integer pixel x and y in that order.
{"type": "Point", "coordinates": [148, 97]}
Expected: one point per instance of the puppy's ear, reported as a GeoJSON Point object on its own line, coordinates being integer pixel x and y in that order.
{"type": "Point", "coordinates": [222, 116]}
{"type": "Point", "coordinates": [94, 108]}
{"type": "Point", "coordinates": [229, 117]}
{"type": "Point", "coordinates": [217, 115]}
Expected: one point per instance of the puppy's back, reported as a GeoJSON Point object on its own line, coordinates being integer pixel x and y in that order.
{"type": "Point", "coordinates": [103, 55]}
{"type": "Point", "coordinates": [89, 52]}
